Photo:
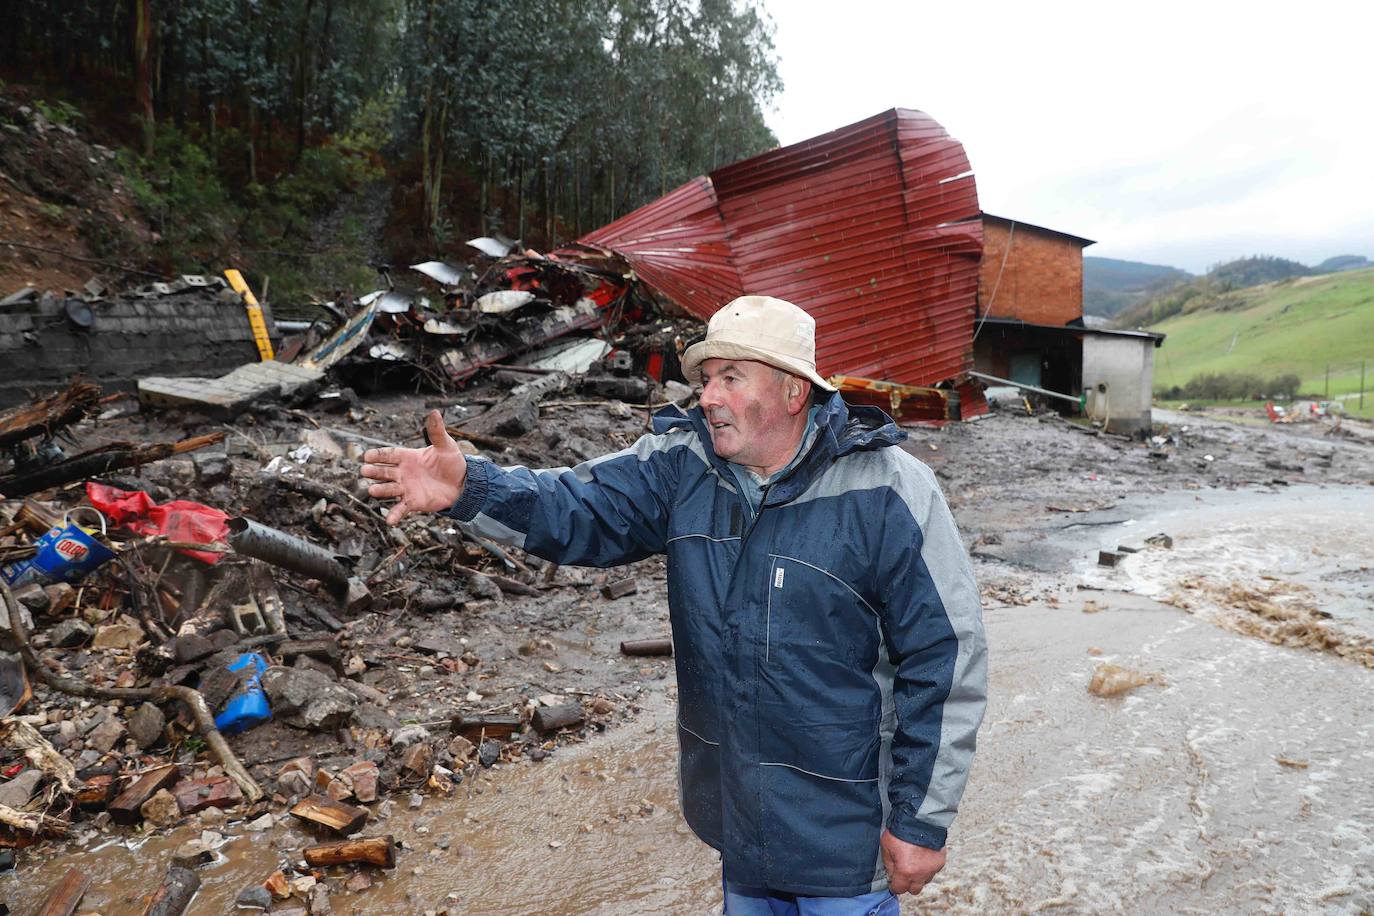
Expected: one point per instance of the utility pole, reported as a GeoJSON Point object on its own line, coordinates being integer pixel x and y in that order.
{"type": "Point", "coordinates": [1327, 396]}
{"type": "Point", "coordinates": [1361, 384]}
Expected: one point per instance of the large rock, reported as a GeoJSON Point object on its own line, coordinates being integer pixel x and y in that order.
{"type": "Point", "coordinates": [146, 725]}
{"type": "Point", "coordinates": [161, 810]}
{"type": "Point", "coordinates": [117, 636]}
{"type": "Point", "coordinates": [17, 792]}
{"type": "Point", "coordinates": [106, 735]}
{"type": "Point", "coordinates": [70, 633]}
{"type": "Point", "coordinates": [211, 467]}
{"type": "Point", "coordinates": [308, 699]}
{"type": "Point", "coordinates": [362, 776]}
{"type": "Point", "coordinates": [254, 897]}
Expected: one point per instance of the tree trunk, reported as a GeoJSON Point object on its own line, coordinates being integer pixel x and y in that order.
{"type": "Point", "coordinates": [143, 86]}
{"type": "Point", "coordinates": [301, 53]}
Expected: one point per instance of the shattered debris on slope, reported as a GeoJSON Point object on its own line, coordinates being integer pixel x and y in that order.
{"type": "Point", "coordinates": [183, 677]}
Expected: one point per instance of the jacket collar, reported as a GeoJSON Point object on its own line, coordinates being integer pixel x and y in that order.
{"type": "Point", "coordinates": [843, 429]}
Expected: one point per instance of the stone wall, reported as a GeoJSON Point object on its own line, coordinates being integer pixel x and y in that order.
{"type": "Point", "coordinates": [195, 330]}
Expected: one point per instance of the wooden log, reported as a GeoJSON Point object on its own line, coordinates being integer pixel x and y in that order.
{"type": "Point", "coordinates": [63, 899]}
{"type": "Point", "coordinates": [325, 811]}
{"type": "Point", "coordinates": [98, 791]}
{"type": "Point", "coordinates": [647, 647]}
{"type": "Point", "coordinates": [619, 589]}
{"type": "Point", "coordinates": [174, 896]}
{"type": "Point", "coordinates": [193, 795]}
{"type": "Point", "coordinates": [373, 850]}
{"type": "Point", "coordinates": [473, 727]}
{"type": "Point", "coordinates": [552, 718]}
{"type": "Point", "coordinates": [125, 808]}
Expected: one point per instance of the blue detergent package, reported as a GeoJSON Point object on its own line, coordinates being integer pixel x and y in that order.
{"type": "Point", "coordinates": [248, 706]}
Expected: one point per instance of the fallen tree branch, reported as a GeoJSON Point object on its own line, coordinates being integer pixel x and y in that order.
{"type": "Point", "coordinates": [205, 722]}
{"type": "Point", "coordinates": [100, 461]}
{"type": "Point", "coordinates": [49, 413]}
{"type": "Point", "coordinates": [21, 736]}
{"type": "Point", "coordinates": [505, 583]}
{"type": "Point", "coordinates": [36, 824]}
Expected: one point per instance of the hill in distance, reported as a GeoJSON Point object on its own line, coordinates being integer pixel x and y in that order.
{"type": "Point", "coordinates": [1110, 285]}
{"type": "Point", "coordinates": [1219, 288]}
{"type": "Point", "coordinates": [1315, 327]}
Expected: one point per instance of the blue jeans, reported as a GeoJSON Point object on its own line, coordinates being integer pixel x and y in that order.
{"type": "Point", "coordinates": [741, 900]}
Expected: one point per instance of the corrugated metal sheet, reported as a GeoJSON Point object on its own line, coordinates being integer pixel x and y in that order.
{"type": "Point", "coordinates": [871, 228]}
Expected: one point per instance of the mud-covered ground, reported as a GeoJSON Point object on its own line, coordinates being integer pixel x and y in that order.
{"type": "Point", "coordinates": [1230, 780]}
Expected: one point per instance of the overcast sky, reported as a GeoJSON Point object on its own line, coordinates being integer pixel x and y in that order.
{"type": "Point", "coordinates": [1174, 133]}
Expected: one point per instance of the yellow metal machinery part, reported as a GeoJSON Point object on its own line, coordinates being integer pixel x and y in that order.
{"type": "Point", "coordinates": [255, 318]}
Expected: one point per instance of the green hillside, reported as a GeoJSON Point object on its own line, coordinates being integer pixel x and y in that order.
{"type": "Point", "coordinates": [1110, 285]}
{"type": "Point", "coordinates": [1301, 325]}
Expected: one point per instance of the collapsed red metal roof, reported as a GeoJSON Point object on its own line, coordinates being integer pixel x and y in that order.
{"type": "Point", "coordinates": [871, 228]}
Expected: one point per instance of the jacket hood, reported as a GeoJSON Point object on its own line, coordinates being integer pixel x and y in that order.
{"type": "Point", "coordinates": [844, 428]}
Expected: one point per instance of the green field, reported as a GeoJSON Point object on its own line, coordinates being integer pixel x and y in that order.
{"type": "Point", "coordinates": [1307, 325]}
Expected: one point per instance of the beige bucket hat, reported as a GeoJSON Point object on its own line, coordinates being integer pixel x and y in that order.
{"type": "Point", "coordinates": [762, 328]}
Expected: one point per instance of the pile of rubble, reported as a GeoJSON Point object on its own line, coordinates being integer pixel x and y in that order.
{"type": "Point", "coordinates": [222, 627]}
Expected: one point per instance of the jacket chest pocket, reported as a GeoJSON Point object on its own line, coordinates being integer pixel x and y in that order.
{"type": "Point", "coordinates": [821, 638]}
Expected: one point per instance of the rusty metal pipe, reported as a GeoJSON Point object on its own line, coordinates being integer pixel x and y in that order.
{"type": "Point", "coordinates": [256, 540]}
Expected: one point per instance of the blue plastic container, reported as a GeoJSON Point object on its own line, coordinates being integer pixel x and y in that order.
{"type": "Point", "coordinates": [248, 707]}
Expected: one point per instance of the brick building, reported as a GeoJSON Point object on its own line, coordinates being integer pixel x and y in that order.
{"type": "Point", "coordinates": [1030, 329]}
{"type": "Point", "coordinates": [1030, 273]}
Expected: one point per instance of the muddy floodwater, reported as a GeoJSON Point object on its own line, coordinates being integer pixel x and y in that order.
{"type": "Point", "coordinates": [1239, 779]}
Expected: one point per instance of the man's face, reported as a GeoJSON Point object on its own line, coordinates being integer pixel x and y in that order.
{"type": "Point", "coordinates": [746, 407]}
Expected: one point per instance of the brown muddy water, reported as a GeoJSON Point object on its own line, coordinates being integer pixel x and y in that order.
{"type": "Point", "coordinates": [1239, 780]}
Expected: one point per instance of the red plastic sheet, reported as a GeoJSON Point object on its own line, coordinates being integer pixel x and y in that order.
{"type": "Point", "coordinates": [179, 520]}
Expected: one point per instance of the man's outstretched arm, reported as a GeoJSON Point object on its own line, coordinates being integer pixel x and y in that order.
{"type": "Point", "coordinates": [604, 512]}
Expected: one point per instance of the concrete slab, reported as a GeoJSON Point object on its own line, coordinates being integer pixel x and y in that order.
{"type": "Point", "coordinates": [229, 395]}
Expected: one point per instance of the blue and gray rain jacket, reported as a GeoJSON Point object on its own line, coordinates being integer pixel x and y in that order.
{"type": "Point", "coordinates": [830, 655]}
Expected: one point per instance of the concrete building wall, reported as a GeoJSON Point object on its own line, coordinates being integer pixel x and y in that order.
{"type": "Point", "coordinates": [1125, 365]}
{"type": "Point", "coordinates": [196, 332]}
{"type": "Point", "coordinates": [1042, 282]}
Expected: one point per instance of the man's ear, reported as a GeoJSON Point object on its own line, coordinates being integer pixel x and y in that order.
{"type": "Point", "coordinates": [798, 394]}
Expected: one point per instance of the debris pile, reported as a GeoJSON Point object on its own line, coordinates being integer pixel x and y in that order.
{"type": "Point", "coordinates": [222, 629]}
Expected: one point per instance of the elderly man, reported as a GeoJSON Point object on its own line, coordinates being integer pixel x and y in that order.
{"type": "Point", "coordinates": [826, 625]}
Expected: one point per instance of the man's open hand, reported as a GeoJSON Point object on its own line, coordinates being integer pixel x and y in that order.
{"type": "Point", "coordinates": [909, 867]}
{"type": "Point", "coordinates": [427, 479]}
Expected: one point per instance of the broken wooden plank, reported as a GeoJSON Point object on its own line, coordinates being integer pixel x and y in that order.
{"type": "Point", "coordinates": [325, 811]}
{"type": "Point", "coordinates": [63, 899]}
{"type": "Point", "coordinates": [647, 647]}
{"type": "Point", "coordinates": [174, 895]}
{"type": "Point", "coordinates": [373, 850]}
{"type": "Point", "coordinates": [194, 795]}
{"type": "Point", "coordinates": [125, 808]}
{"type": "Point", "coordinates": [474, 726]}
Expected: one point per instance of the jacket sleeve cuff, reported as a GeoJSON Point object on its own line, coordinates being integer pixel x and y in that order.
{"type": "Point", "coordinates": [904, 826]}
{"type": "Point", "coordinates": [474, 495]}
